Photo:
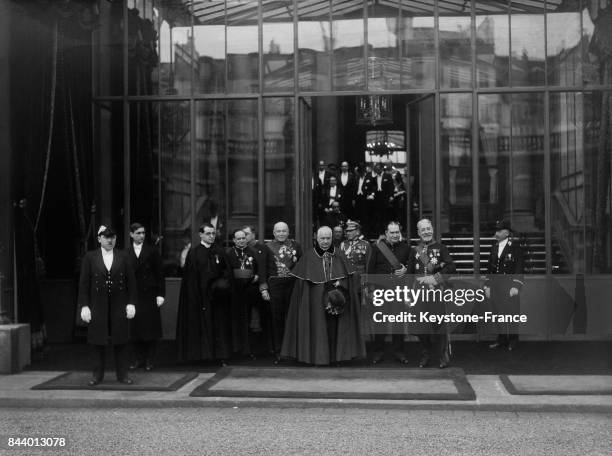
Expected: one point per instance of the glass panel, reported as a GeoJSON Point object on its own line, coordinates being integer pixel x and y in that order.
{"type": "Point", "coordinates": [567, 142]}
{"type": "Point", "coordinates": [383, 48]}
{"type": "Point", "coordinates": [226, 164]}
{"type": "Point", "coordinates": [108, 57]}
{"type": "Point", "coordinates": [242, 46]}
{"type": "Point", "coordinates": [278, 45]}
{"type": "Point", "coordinates": [176, 49]}
{"type": "Point", "coordinates": [564, 50]}
{"type": "Point", "coordinates": [527, 44]}
{"type": "Point", "coordinates": [348, 42]}
{"type": "Point", "coordinates": [455, 51]}
{"type": "Point", "coordinates": [314, 44]}
{"type": "Point", "coordinates": [160, 176]}
{"type": "Point", "coordinates": [456, 162]}
{"type": "Point", "coordinates": [209, 43]}
{"type": "Point", "coordinates": [279, 164]}
{"type": "Point", "coordinates": [418, 61]}
{"type": "Point", "coordinates": [597, 48]}
{"type": "Point", "coordinates": [598, 181]}
{"type": "Point", "coordinates": [512, 169]}
{"type": "Point", "coordinates": [492, 44]}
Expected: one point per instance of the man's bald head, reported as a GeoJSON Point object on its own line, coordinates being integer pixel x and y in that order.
{"type": "Point", "coordinates": [281, 231]}
{"type": "Point", "coordinates": [324, 237]}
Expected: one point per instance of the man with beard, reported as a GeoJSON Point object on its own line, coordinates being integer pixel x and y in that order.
{"type": "Point", "coordinates": [286, 253]}
{"type": "Point", "coordinates": [107, 298]}
{"type": "Point", "coordinates": [390, 257]}
{"type": "Point", "coordinates": [203, 330]}
{"type": "Point", "coordinates": [146, 327]}
{"type": "Point", "coordinates": [432, 263]}
{"type": "Point", "coordinates": [323, 321]}
{"type": "Point", "coordinates": [505, 267]}
{"type": "Point", "coordinates": [244, 285]}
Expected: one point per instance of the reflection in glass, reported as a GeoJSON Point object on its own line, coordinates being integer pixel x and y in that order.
{"type": "Point", "coordinates": [563, 53]}
{"type": "Point", "coordinates": [527, 49]}
{"type": "Point", "coordinates": [492, 47]}
{"type": "Point", "coordinates": [348, 49]}
{"type": "Point", "coordinates": [456, 157]}
{"type": "Point", "coordinates": [597, 50]}
{"type": "Point", "coordinates": [160, 193]}
{"type": "Point", "coordinates": [383, 50]}
{"type": "Point", "coordinates": [242, 50]}
{"type": "Point", "coordinates": [176, 51]}
{"type": "Point", "coordinates": [567, 142]}
{"type": "Point", "coordinates": [278, 45]}
{"type": "Point", "coordinates": [418, 52]}
{"type": "Point", "coordinates": [455, 51]}
{"type": "Point", "coordinates": [209, 43]}
{"type": "Point", "coordinates": [314, 43]}
{"type": "Point", "coordinates": [226, 164]}
{"type": "Point", "coordinates": [279, 164]}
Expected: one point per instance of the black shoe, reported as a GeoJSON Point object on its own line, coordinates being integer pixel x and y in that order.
{"type": "Point", "coordinates": [377, 358]}
{"type": "Point", "coordinates": [149, 367]}
{"type": "Point", "coordinates": [443, 364]}
{"type": "Point", "coordinates": [512, 345]}
{"type": "Point", "coordinates": [136, 365]}
{"type": "Point", "coordinates": [402, 360]}
{"type": "Point", "coordinates": [496, 345]}
{"type": "Point", "coordinates": [223, 363]}
{"type": "Point", "coordinates": [126, 381]}
{"type": "Point", "coordinates": [424, 362]}
{"type": "Point", "coordinates": [94, 381]}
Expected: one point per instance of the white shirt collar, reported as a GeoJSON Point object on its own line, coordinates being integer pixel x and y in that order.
{"type": "Point", "coordinates": [205, 244]}
{"type": "Point", "coordinates": [107, 257]}
{"type": "Point", "coordinates": [500, 246]}
{"type": "Point", "coordinates": [137, 249]}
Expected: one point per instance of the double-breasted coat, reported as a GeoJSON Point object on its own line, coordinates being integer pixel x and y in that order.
{"type": "Point", "coordinates": [107, 293]}
{"type": "Point", "coordinates": [146, 325]}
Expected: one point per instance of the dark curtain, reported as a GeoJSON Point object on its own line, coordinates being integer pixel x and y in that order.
{"type": "Point", "coordinates": [51, 134]}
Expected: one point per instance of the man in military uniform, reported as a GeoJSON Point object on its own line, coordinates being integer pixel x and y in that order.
{"type": "Point", "coordinates": [389, 256]}
{"type": "Point", "coordinates": [506, 266]}
{"type": "Point", "coordinates": [355, 247]}
{"type": "Point", "coordinates": [286, 252]}
{"type": "Point", "coordinates": [431, 262]}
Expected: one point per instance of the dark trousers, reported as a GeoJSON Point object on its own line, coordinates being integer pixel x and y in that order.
{"type": "Point", "coordinates": [144, 351]}
{"type": "Point", "coordinates": [435, 344]}
{"type": "Point", "coordinates": [397, 345]}
{"type": "Point", "coordinates": [121, 362]}
{"type": "Point", "coordinates": [280, 295]}
{"type": "Point", "coordinates": [332, 335]}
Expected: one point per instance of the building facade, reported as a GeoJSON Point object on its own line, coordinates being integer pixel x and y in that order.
{"type": "Point", "coordinates": [176, 112]}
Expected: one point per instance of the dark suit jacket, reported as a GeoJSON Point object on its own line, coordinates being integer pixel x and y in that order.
{"type": "Point", "coordinates": [511, 262]}
{"type": "Point", "coordinates": [109, 323]}
{"type": "Point", "coordinates": [146, 325]}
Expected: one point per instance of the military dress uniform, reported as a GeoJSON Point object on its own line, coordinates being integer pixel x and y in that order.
{"type": "Point", "coordinates": [280, 282]}
{"type": "Point", "coordinates": [433, 259]}
{"type": "Point", "coordinates": [505, 268]}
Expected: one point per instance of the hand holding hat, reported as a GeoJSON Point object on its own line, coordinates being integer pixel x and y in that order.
{"type": "Point", "coordinates": [85, 314]}
{"type": "Point", "coordinates": [130, 311]}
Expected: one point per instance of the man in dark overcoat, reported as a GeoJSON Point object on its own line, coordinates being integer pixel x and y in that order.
{"type": "Point", "coordinates": [107, 299]}
{"type": "Point", "coordinates": [504, 283]}
{"type": "Point", "coordinates": [203, 327]}
{"type": "Point", "coordinates": [146, 327]}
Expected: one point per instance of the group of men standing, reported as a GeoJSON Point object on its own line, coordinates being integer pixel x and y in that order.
{"type": "Point", "coordinates": [300, 304]}
{"type": "Point", "coordinates": [370, 193]}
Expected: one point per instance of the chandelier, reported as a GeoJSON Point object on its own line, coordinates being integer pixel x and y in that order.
{"type": "Point", "coordinates": [378, 143]}
{"type": "Point", "coordinates": [375, 110]}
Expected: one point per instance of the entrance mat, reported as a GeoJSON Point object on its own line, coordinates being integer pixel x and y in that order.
{"type": "Point", "coordinates": [558, 384]}
{"type": "Point", "coordinates": [339, 383]}
{"type": "Point", "coordinates": [143, 381]}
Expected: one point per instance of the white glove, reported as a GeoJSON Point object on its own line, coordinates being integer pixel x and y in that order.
{"type": "Point", "coordinates": [159, 300]}
{"type": "Point", "coordinates": [487, 291]}
{"type": "Point", "coordinates": [130, 311]}
{"type": "Point", "coordinates": [85, 314]}
{"type": "Point", "coordinates": [514, 292]}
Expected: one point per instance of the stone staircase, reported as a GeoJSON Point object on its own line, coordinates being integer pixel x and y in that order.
{"type": "Point", "coordinates": [534, 248]}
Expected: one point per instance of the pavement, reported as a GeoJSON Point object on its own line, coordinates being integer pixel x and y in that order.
{"type": "Point", "coordinates": [491, 395]}
{"type": "Point", "coordinates": [575, 362]}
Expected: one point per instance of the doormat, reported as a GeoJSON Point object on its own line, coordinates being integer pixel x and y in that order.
{"type": "Point", "coordinates": [143, 381]}
{"type": "Point", "coordinates": [338, 383]}
{"type": "Point", "coordinates": [560, 385]}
